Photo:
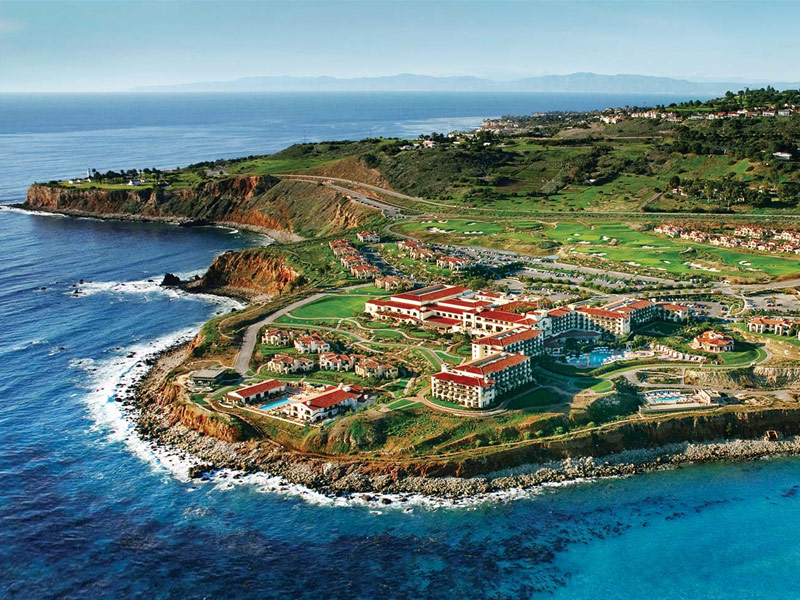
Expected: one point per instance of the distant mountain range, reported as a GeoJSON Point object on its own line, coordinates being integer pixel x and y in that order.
{"type": "Point", "coordinates": [406, 82]}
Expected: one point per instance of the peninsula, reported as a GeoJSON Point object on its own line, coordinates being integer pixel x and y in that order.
{"type": "Point", "coordinates": [591, 293]}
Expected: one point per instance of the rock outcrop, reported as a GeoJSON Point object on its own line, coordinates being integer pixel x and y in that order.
{"type": "Point", "coordinates": [247, 273]}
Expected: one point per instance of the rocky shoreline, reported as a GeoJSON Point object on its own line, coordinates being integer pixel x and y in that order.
{"type": "Point", "coordinates": [157, 423]}
{"type": "Point", "coordinates": [281, 237]}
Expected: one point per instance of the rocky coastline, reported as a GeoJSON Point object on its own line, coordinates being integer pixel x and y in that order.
{"type": "Point", "coordinates": [276, 235]}
{"type": "Point", "coordinates": [157, 422]}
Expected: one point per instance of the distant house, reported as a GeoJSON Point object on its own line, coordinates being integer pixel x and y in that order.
{"type": "Point", "coordinates": [410, 244]}
{"type": "Point", "coordinates": [713, 341]}
{"type": "Point", "coordinates": [453, 263]}
{"type": "Point", "coordinates": [257, 392]}
{"type": "Point", "coordinates": [372, 368]}
{"type": "Point", "coordinates": [390, 282]}
{"type": "Point", "coordinates": [423, 254]}
{"type": "Point", "coordinates": [368, 237]}
{"type": "Point", "coordinates": [286, 364]}
{"type": "Point", "coordinates": [330, 361]}
{"type": "Point", "coordinates": [311, 344]}
{"type": "Point", "coordinates": [364, 271]}
{"type": "Point", "coordinates": [274, 336]}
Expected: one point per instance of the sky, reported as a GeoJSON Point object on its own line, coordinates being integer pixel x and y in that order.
{"type": "Point", "coordinates": [114, 45]}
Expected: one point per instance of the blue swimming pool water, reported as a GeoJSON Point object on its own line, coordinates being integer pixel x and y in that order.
{"type": "Point", "coordinates": [275, 404]}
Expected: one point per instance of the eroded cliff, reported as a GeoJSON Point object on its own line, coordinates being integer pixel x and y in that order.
{"type": "Point", "coordinates": [262, 201]}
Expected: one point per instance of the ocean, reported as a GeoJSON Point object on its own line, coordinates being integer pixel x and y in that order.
{"type": "Point", "coordinates": [89, 510]}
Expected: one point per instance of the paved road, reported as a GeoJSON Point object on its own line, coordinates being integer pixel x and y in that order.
{"type": "Point", "coordinates": [242, 363]}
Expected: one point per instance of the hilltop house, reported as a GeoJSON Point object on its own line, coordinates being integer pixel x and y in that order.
{"type": "Point", "coordinates": [713, 341]}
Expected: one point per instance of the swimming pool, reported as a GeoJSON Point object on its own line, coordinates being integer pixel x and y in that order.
{"type": "Point", "coordinates": [275, 404]}
{"type": "Point", "coordinates": [595, 358]}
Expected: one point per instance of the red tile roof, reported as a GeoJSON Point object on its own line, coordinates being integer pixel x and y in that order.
{"type": "Point", "coordinates": [330, 397]}
{"type": "Point", "coordinates": [463, 379]}
{"type": "Point", "coordinates": [510, 337]}
{"type": "Point", "coordinates": [258, 388]}
{"type": "Point", "coordinates": [442, 321]}
{"type": "Point", "coordinates": [495, 366]}
{"type": "Point", "coordinates": [502, 316]}
{"type": "Point", "coordinates": [422, 296]}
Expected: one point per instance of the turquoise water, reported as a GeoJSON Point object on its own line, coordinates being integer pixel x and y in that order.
{"type": "Point", "coordinates": [595, 358]}
{"type": "Point", "coordinates": [89, 510]}
{"type": "Point", "coordinates": [276, 404]}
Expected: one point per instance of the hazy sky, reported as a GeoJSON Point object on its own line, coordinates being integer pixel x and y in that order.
{"type": "Point", "coordinates": [118, 44]}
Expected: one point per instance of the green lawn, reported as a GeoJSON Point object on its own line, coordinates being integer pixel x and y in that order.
{"type": "Point", "coordinates": [534, 398]}
{"type": "Point", "coordinates": [336, 306]}
{"type": "Point", "coordinates": [639, 248]}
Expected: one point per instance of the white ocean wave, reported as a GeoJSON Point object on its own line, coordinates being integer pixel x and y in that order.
{"type": "Point", "coordinates": [150, 287]}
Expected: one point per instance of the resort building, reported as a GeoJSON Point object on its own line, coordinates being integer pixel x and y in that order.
{"type": "Point", "coordinates": [776, 325]}
{"type": "Point", "coordinates": [415, 305]}
{"type": "Point", "coordinates": [286, 364]}
{"type": "Point", "coordinates": [713, 341]}
{"type": "Point", "coordinates": [676, 313]}
{"type": "Point", "coordinates": [521, 340]}
{"type": "Point", "coordinates": [311, 344]}
{"type": "Point", "coordinates": [254, 393]}
{"type": "Point", "coordinates": [369, 367]}
{"type": "Point", "coordinates": [326, 404]}
{"type": "Point", "coordinates": [278, 337]}
{"type": "Point", "coordinates": [331, 361]}
{"type": "Point", "coordinates": [370, 237]}
{"type": "Point", "coordinates": [469, 391]}
{"type": "Point", "coordinates": [478, 383]}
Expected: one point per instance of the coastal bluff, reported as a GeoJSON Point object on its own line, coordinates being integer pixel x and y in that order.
{"type": "Point", "coordinates": [287, 210]}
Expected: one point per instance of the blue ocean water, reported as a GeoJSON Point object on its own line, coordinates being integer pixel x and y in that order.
{"type": "Point", "coordinates": [87, 510]}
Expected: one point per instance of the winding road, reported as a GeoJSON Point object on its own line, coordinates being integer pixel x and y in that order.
{"type": "Point", "coordinates": [250, 338]}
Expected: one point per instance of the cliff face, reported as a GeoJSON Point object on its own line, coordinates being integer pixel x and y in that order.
{"type": "Point", "coordinates": [262, 201]}
{"type": "Point", "coordinates": [248, 273]}
{"type": "Point", "coordinates": [759, 377]}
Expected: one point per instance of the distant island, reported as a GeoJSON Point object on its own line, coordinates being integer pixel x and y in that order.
{"type": "Point", "coordinates": [408, 82]}
{"type": "Point", "coordinates": [587, 292]}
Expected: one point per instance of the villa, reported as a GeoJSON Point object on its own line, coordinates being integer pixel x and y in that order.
{"type": "Point", "coordinates": [326, 404]}
{"type": "Point", "coordinates": [452, 263]}
{"type": "Point", "coordinates": [776, 325]}
{"type": "Point", "coordinates": [286, 364]}
{"type": "Point", "coordinates": [254, 393]}
{"type": "Point", "coordinates": [311, 344]}
{"type": "Point", "coordinates": [390, 282]}
{"type": "Point", "coordinates": [331, 361]}
{"type": "Point", "coordinates": [364, 271]}
{"type": "Point", "coordinates": [278, 337]}
{"type": "Point", "coordinates": [372, 368]}
{"type": "Point", "coordinates": [713, 341]}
